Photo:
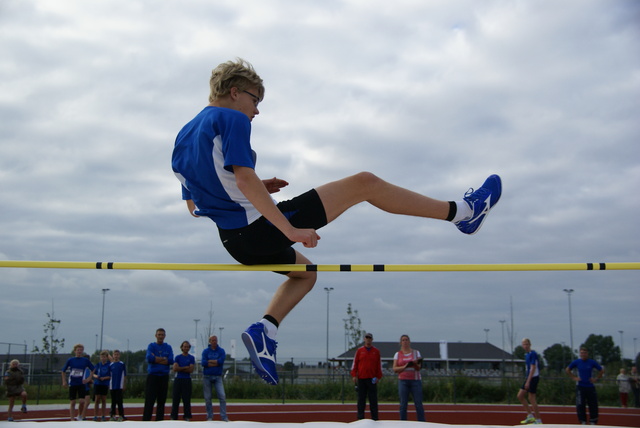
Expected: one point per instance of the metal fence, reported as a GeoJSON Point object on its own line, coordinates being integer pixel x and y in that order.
{"type": "Point", "coordinates": [338, 386]}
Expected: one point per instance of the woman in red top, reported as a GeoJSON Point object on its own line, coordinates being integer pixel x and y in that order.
{"type": "Point", "coordinates": [407, 363]}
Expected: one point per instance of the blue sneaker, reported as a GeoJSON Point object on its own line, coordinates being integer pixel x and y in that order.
{"type": "Point", "coordinates": [262, 350]}
{"type": "Point", "coordinates": [481, 202]}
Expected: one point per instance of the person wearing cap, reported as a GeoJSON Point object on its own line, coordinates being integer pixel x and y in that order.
{"type": "Point", "coordinates": [366, 371]}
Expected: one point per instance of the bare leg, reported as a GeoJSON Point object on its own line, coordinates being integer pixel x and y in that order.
{"type": "Point", "coordinates": [72, 409]}
{"type": "Point", "coordinates": [534, 405]}
{"type": "Point", "coordinates": [522, 396]}
{"type": "Point", "coordinates": [292, 291]}
{"type": "Point", "coordinates": [338, 196]}
{"type": "Point", "coordinates": [10, 409]}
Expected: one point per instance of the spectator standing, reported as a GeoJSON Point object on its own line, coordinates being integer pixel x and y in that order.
{"type": "Point", "coordinates": [366, 372]}
{"type": "Point", "coordinates": [159, 359]}
{"type": "Point", "coordinates": [624, 387]}
{"type": "Point", "coordinates": [530, 385]}
{"type": "Point", "coordinates": [634, 379]}
{"type": "Point", "coordinates": [14, 382]}
{"type": "Point", "coordinates": [213, 357]}
{"type": "Point", "coordinates": [407, 363]}
{"type": "Point", "coordinates": [77, 389]}
{"type": "Point", "coordinates": [183, 367]}
{"type": "Point", "coordinates": [585, 389]}
{"type": "Point", "coordinates": [87, 380]}
{"type": "Point", "coordinates": [117, 385]}
{"type": "Point", "coordinates": [101, 379]}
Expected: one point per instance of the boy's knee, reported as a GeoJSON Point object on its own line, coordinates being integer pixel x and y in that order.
{"type": "Point", "coordinates": [366, 178]}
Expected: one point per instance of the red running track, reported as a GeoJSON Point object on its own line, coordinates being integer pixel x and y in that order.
{"type": "Point", "coordinates": [454, 414]}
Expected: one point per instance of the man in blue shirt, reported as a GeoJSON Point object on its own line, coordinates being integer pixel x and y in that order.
{"type": "Point", "coordinates": [160, 360]}
{"type": "Point", "coordinates": [212, 360]}
{"type": "Point", "coordinates": [585, 388]}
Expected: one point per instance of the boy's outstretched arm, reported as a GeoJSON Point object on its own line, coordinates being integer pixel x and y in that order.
{"type": "Point", "coordinates": [255, 191]}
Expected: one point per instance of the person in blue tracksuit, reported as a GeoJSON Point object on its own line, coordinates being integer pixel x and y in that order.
{"type": "Point", "coordinates": [585, 386]}
{"type": "Point", "coordinates": [182, 385]}
{"type": "Point", "coordinates": [117, 384]}
{"type": "Point", "coordinates": [159, 359]}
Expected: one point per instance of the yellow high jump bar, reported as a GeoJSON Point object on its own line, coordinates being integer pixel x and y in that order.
{"type": "Point", "coordinates": [324, 267]}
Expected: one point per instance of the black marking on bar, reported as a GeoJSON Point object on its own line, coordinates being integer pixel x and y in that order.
{"type": "Point", "coordinates": [345, 268]}
{"type": "Point", "coordinates": [589, 266]}
{"type": "Point", "coordinates": [312, 268]}
{"type": "Point", "coordinates": [98, 265]}
{"type": "Point", "coordinates": [110, 265]}
{"type": "Point", "coordinates": [603, 266]}
{"type": "Point", "coordinates": [378, 268]}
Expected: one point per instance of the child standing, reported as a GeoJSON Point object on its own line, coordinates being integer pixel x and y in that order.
{"type": "Point", "coordinates": [76, 366]}
{"type": "Point", "coordinates": [101, 378]}
{"type": "Point", "coordinates": [117, 385]}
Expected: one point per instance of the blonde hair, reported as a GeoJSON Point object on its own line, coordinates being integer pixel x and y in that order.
{"type": "Point", "coordinates": [239, 74]}
{"type": "Point", "coordinates": [16, 362]}
{"type": "Point", "coordinates": [526, 339]}
{"type": "Point", "coordinates": [104, 353]}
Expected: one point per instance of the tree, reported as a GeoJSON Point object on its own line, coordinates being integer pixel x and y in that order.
{"type": "Point", "coordinates": [352, 326]}
{"type": "Point", "coordinates": [51, 344]}
{"type": "Point", "coordinates": [519, 352]}
{"type": "Point", "coordinates": [558, 356]}
{"type": "Point", "coordinates": [602, 349]}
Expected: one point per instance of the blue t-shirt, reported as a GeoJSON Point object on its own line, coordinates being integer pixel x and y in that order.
{"type": "Point", "coordinates": [76, 366]}
{"type": "Point", "coordinates": [585, 370]}
{"type": "Point", "coordinates": [102, 370]}
{"type": "Point", "coordinates": [184, 361]}
{"type": "Point", "coordinates": [205, 151]}
{"type": "Point", "coordinates": [213, 354]}
{"type": "Point", "coordinates": [118, 373]}
{"type": "Point", "coordinates": [156, 350]}
{"type": "Point", "coordinates": [530, 359]}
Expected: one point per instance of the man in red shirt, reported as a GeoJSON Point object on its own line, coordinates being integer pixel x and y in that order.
{"type": "Point", "coordinates": [366, 372]}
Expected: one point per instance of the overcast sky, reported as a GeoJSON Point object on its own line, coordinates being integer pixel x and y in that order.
{"type": "Point", "coordinates": [430, 95]}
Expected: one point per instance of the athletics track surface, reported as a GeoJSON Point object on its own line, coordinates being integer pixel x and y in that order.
{"type": "Point", "coordinates": [332, 416]}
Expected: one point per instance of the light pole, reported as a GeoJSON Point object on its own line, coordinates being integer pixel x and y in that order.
{"type": "Point", "coordinates": [104, 293]}
{"type": "Point", "coordinates": [486, 332]}
{"type": "Point", "coordinates": [328, 290]}
{"type": "Point", "coordinates": [569, 291]}
{"type": "Point", "coordinates": [220, 328]}
{"type": "Point", "coordinates": [346, 333]}
{"type": "Point", "coordinates": [621, 346]}
{"type": "Point", "coordinates": [196, 337]}
{"type": "Point", "coordinates": [502, 326]}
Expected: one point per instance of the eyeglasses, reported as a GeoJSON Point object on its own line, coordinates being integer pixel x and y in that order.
{"type": "Point", "coordinates": [256, 99]}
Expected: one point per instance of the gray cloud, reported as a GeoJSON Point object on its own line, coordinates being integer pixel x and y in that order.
{"type": "Point", "coordinates": [432, 96]}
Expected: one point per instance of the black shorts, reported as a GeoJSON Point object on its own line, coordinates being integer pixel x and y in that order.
{"type": "Point", "coordinates": [101, 390]}
{"type": "Point", "coordinates": [262, 243]}
{"type": "Point", "coordinates": [533, 385]}
{"type": "Point", "coordinates": [77, 391]}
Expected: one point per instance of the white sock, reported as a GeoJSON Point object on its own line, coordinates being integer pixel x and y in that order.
{"type": "Point", "coordinates": [464, 212]}
{"type": "Point", "coordinates": [272, 330]}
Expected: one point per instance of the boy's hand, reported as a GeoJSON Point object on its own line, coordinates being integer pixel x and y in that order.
{"type": "Point", "coordinates": [273, 185]}
{"type": "Point", "coordinates": [308, 237]}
